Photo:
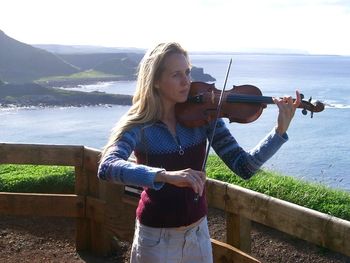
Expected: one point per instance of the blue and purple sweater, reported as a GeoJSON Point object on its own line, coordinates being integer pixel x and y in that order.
{"type": "Point", "coordinates": [156, 149]}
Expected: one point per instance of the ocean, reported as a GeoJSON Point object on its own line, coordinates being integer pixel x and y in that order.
{"type": "Point", "coordinates": [317, 149]}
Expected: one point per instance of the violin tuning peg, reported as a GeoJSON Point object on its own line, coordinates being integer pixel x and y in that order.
{"type": "Point", "coordinates": [304, 112]}
{"type": "Point", "coordinates": [302, 96]}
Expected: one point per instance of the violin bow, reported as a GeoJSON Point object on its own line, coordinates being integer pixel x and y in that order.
{"type": "Point", "coordinates": [217, 117]}
{"type": "Point", "coordinates": [215, 123]}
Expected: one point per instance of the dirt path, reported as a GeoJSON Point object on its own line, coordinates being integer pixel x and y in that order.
{"type": "Point", "coordinates": [52, 240]}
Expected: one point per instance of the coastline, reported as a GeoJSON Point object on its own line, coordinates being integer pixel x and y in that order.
{"type": "Point", "coordinates": [70, 82]}
{"type": "Point", "coordinates": [54, 91]}
{"type": "Point", "coordinates": [35, 95]}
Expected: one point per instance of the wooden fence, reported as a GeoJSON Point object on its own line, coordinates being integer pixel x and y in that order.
{"type": "Point", "coordinates": [104, 212]}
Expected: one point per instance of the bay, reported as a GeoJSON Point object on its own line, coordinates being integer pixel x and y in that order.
{"type": "Point", "coordinates": [317, 149]}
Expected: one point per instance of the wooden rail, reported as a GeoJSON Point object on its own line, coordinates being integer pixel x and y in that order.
{"type": "Point", "coordinates": [27, 204]}
{"type": "Point", "coordinates": [104, 213]}
{"type": "Point", "coordinates": [243, 205]}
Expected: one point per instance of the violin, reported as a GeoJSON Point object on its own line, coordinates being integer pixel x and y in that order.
{"type": "Point", "coordinates": [242, 104]}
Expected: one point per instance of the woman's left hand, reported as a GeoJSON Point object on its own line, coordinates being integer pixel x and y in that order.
{"type": "Point", "coordinates": [286, 111]}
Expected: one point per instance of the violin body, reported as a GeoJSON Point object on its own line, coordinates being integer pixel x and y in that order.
{"type": "Point", "coordinates": [241, 104]}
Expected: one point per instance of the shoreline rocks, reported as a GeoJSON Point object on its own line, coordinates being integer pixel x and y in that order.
{"type": "Point", "coordinates": [26, 95]}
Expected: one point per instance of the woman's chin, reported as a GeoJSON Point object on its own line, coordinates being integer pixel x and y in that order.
{"type": "Point", "coordinates": [182, 100]}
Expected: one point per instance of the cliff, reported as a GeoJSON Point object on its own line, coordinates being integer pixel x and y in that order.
{"type": "Point", "coordinates": [21, 63]}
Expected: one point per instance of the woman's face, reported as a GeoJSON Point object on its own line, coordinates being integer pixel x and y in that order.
{"type": "Point", "coordinates": [174, 83]}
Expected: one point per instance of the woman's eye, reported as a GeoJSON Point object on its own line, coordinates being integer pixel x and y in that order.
{"type": "Point", "coordinates": [177, 75]}
{"type": "Point", "coordinates": [180, 74]}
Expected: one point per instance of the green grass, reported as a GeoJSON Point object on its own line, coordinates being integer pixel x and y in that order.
{"type": "Point", "coordinates": [58, 179]}
{"type": "Point", "coordinates": [311, 195]}
{"type": "Point", "coordinates": [36, 179]}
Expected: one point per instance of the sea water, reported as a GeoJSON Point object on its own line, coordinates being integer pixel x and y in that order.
{"type": "Point", "coordinates": [317, 149]}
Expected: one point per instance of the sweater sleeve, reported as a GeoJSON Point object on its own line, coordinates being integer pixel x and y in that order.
{"type": "Point", "coordinates": [115, 167]}
{"type": "Point", "coordinates": [245, 163]}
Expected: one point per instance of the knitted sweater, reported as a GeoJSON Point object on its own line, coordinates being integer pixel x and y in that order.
{"type": "Point", "coordinates": [156, 149]}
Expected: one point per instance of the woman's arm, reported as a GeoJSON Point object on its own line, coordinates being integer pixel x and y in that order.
{"type": "Point", "coordinates": [115, 167]}
{"type": "Point", "coordinates": [245, 163]}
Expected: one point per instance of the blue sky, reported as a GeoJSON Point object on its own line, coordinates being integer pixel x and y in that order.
{"type": "Point", "coordinates": [314, 26]}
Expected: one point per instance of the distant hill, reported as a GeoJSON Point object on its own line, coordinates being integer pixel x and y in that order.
{"type": "Point", "coordinates": [124, 67]}
{"type": "Point", "coordinates": [197, 74]}
{"type": "Point", "coordinates": [21, 63]}
{"type": "Point", "coordinates": [86, 49]}
{"type": "Point", "coordinates": [120, 64]}
{"type": "Point", "coordinates": [91, 61]}
{"type": "Point", "coordinates": [118, 61]}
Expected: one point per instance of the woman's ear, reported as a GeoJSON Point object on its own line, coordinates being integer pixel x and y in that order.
{"type": "Point", "coordinates": [156, 85]}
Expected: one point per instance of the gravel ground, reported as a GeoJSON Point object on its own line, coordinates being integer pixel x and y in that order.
{"type": "Point", "coordinates": [42, 239]}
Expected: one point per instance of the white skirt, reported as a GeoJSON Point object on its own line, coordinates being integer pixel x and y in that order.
{"type": "Point", "coordinates": [189, 244]}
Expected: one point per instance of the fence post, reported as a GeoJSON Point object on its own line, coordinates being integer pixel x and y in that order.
{"type": "Point", "coordinates": [99, 241]}
{"type": "Point", "coordinates": [82, 240]}
{"type": "Point", "coordinates": [238, 232]}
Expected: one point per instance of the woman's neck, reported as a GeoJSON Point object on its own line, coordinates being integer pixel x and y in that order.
{"type": "Point", "coordinates": [169, 118]}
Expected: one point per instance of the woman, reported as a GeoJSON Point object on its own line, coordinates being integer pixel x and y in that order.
{"type": "Point", "coordinates": [170, 225]}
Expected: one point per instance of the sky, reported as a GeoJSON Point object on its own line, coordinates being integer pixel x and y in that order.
{"type": "Point", "coordinates": [312, 26]}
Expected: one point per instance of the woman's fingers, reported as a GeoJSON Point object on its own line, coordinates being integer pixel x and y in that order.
{"type": "Point", "coordinates": [187, 178]}
{"type": "Point", "coordinates": [287, 107]}
{"type": "Point", "coordinates": [199, 178]}
{"type": "Point", "coordinates": [297, 100]}
{"type": "Point", "coordinates": [194, 181]}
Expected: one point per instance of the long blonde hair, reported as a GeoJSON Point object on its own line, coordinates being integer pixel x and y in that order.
{"type": "Point", "coordinates": [146, 104]}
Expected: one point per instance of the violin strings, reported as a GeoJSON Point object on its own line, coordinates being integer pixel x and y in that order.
{"type": "Point", "coordinates": [249, 99]}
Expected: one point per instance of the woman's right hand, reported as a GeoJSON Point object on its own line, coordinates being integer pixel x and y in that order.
{"type": "Point", "coordinates": [184, 178]}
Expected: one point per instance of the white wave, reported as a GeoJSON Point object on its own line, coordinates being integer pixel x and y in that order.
{"type": "Point", "coordinates": [14, 108]}
{"type": "Point", "coordinates": [337, 105]}
{"type": "Point", "coordinates": [97, 85]}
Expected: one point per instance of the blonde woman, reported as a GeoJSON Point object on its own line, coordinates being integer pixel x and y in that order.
{"type": "Point", "coordinates": [170, 225]}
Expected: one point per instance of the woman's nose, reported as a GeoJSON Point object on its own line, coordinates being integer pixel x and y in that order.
{"type": "Point", "coordinates": [186, 79]}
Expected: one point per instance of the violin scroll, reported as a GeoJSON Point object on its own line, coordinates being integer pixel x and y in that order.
{"type": "Point", "coordinates": [317, 106]}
